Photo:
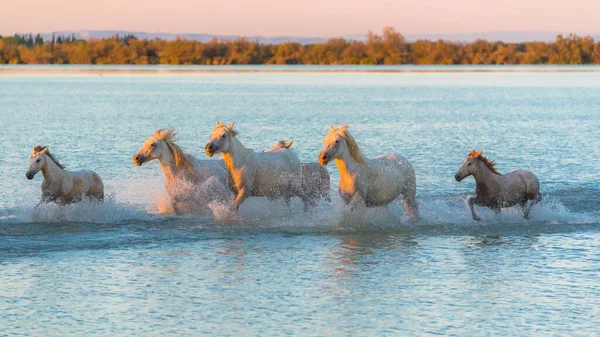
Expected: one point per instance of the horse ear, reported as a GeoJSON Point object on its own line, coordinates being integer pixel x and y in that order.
{"type": "Point", "coordinates": [477, 154]}
{"type": "Point", "coordinates": [230, 126]}
{"type": "Point", "coordinates": [45, 149]}
{"type": "Point", "coordinates": [289, 144]}
{"type": "Point", "coordinates": [344, 127]}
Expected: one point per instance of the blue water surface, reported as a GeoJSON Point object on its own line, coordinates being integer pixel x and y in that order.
{"type": "Point", "coordinates": [124, 268]}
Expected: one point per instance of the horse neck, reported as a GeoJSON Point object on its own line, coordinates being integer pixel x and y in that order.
{"type": "Point", "coordinates": [236, 153]}
{"type": "Point", "coordinates": [484, 176]}
{"type": "Point", "coordinates": [167, 163]}
{"type": "Point", "coordinates": [346, 165]}
{"type": "Point", "coordinates": [52, 172]}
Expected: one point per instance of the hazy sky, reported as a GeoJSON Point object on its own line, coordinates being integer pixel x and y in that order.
{"type": "Point", "coordinates": [300, 17]}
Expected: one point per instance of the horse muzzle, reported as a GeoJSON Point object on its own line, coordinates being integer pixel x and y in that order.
{"type": "Point", "coordinates": [324, 159]}
{"type": "Point", "coordinates": [29, 175]}
{"type": "Point", "coordinates": [138, 160]}
{"type": "Point", "coordinates": [458, 177]}
{"type": "Point", "coordinates": [209, 149]}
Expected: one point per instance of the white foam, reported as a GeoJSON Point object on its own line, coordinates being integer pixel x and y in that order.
{"type": "Point", "coordinates": [109, 211]}
{"type": "Point", "coordinates": [151, 202]}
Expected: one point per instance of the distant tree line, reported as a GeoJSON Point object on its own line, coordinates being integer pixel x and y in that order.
{"type": "Point", "coordinates": [390, 47]}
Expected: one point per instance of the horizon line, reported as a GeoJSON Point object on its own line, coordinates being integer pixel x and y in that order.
{"type": "Point", "coordinates": [83, 30]}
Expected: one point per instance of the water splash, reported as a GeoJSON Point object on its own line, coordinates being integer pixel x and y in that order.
{"type": "Point", "coordinates": [262, 213]}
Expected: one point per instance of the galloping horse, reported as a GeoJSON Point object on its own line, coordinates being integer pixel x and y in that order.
{"type": "Point", "coordinates": [495, 190]}
{"type": "Point", "coordinates": [377, 181]}
{"type": "Point", "coordinates": [315, 178]}
{"type": "Point", "coordinates": [268, 174]}
{"type": "Point", "coordinates": [62, 186]}
{"type": "Point", "coordinates": [183, 173]}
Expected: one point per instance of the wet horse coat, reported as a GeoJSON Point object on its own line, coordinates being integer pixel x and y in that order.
{"type": "Point", "coordinates": [183, 173]}
{"type": "Point", "coordinates": [316, 182]}
{"type": "Point", "coordinates": [62, 186]}
{"type": "Point", "coordinates": [377, 181]}
{"type": "Point", "coordinates": [266, 174]}
{"type": "Point", "coordinates": [495, 190]}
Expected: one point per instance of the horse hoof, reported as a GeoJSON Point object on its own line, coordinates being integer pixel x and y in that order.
{"type": "Point", "coordinates": [476, 218]}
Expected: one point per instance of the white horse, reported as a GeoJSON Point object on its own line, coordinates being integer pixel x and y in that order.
{"type": "Point", "coordinates": [495, 190]}
{"type": "Point", "coordinates": [62, 186]}
{"type": "Point", "coordinates": [377, 181]}
{"type": "Point", "coordinates": [184, 174]}
{"type": "Point", "coordinates": [268, 174]}
{"type": "Point", "coordinates": [316, 182]}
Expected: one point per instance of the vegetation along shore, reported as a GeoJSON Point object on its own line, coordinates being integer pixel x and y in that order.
{"type": "Point", "coordinates": [389, 48]}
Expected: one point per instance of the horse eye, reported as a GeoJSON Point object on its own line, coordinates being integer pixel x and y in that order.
{"type": "Point", "coordinates": [222, 136]}
{"type": "Point", "coordinates": [337, 141]}
{"type": "Point", "coordinates": [152, 145]}
{"type": "Point", "coordinates": [38, 160]}
{"type": "Point", "coordinates": [470, 164]}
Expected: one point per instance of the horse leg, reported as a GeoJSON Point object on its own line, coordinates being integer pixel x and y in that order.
{"type": "Point", "coordinates": [472, 202]}
{"type": "Point", "coordinates": [241, 196]}
{"type": "Point", "coordinates": [36, 209]}
{"type": "Point", "coordinates": [354, 202]}
{"type": "Point", "coordinates": [174, 207]}
{"type": "Point", "coordinates": [410, 202]}
{"type": "Point", "coordinates": [307, 201]}
{"type": "Point", "coordinates": [526, 208]}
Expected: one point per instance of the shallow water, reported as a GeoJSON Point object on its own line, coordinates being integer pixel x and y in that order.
{"type": "Point", "coordinates": [122, 268]}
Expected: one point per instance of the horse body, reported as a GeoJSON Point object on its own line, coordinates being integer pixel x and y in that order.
{"type": "Point", "coordinates": [382, 171]}
{"type": "Point", "coordinates": [276, 174]}
{"type": "Point", "coordinates": [182, 186]}
{"type": "Point", "coordinates": [377, 181]}
{"type": "Point", "coordinates": [495, 190]}
{"type": "Point", "coordinates": [73, 186]}
{"type": "Point", "coordinates": [316, 182]}
{"type": "Point", "coordinates": [508, 190]}
{"type": "Point", "coordinates": [184, 174]}
{"type": "Point", "coordinates": [60, 185]}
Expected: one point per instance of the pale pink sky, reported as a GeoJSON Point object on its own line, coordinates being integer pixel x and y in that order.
{"type": "Point", "coordinates": [300, 17]}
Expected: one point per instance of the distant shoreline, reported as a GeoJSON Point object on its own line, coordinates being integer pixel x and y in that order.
{"type": "Point", "coordinates": [36, 70]}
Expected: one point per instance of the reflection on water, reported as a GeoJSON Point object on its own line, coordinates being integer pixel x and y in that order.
{"type": "Point", "coordinates": [357, 253]}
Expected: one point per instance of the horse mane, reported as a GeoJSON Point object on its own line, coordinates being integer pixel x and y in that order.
{"type": "Point", "coordinates": [40, 148]}
{"type": "Point", "coordinates": [355, 151]}
{"type": "Point", "coordinates": [283, 144]}
{"type": "Point", "coordinates": [491, 164]}
{"type": "Point", "coordinates": [169, 136]}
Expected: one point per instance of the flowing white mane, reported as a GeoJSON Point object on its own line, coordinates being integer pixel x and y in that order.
{"type": "Point", "coordinates": [169, 136]}
{"type": "Point", "coordinates": [355, 151]}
